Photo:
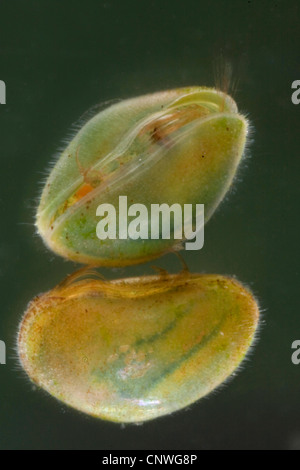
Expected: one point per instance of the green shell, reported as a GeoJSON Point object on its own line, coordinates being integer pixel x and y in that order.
{"type": "Point", "coordinates": [134, 349]}
{"type": "Point", "coordinates": [181, 146]}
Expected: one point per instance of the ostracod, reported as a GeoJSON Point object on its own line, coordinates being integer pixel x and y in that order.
{"type": "Point", "coordinates": [181, 146]}
{"type": "Point", "coordinates": [134, 349]}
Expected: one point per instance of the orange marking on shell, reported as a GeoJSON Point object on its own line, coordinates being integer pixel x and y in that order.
{"type": "Point", "coordinates": [83, 191]}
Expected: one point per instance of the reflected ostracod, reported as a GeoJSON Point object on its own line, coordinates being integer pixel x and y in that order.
{"type": "Point", "coordinates": [181, 146]}
{"type": "Point", "coordinates": [134, 349]}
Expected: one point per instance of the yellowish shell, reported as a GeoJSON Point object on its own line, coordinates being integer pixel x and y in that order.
{"type": "Point", "coordinates": [134, 349]}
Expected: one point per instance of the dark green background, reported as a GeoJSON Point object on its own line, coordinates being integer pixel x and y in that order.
{"type": "Point", "coordinates": [59, 58]}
